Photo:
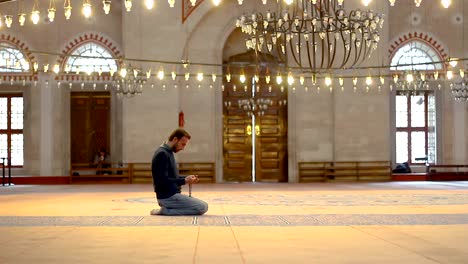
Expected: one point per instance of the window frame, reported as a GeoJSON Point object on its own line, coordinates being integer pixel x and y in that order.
{"type": "Point", "coordinates": [74, 56]}
{"type": "Point", "coordinates": [432, 55]}
{"type": "Point", "coordinates": [9, 131]}
{"type": "Point", "coordinates": [409, 128]}
{"type": "Point", "coordinates": [18, 55]}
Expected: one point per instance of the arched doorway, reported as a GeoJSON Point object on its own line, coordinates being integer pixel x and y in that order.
{"type": "Point", "coordinates": [254, 121]}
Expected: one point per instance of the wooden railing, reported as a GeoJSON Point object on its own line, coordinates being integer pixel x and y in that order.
{"type": "Point", "coordinates": [344, 171]}
{"type": "Point", "coordinates": [88, 172]}
{"type": "Point", "coordinates": [449, 172]}
{"type": "Point", "coordinates": [137, 172]}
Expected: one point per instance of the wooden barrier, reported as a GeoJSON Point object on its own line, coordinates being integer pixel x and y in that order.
{"type": "Point", "coordinates": [344, 171]}
{"type": "Point", "coordinates": [88, 172]}
{"type": "Point", "coordinates": [138, 172]}
{"type": "Point", "coordinates": [448, 172]}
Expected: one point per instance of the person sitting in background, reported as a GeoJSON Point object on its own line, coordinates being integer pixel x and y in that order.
{"type": "Point", "coordinates": [102, 160]}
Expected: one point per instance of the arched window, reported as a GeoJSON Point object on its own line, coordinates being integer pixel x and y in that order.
{"type": "Point", "coordinates": [415, 111]}
{"type": "Point", "coordinates": [416, 52]}
{"type": "Point", "coordinates": [12, 59]}
{"type": "Point", "coordinates": [91, 57]}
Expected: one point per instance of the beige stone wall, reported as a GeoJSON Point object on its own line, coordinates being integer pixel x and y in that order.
{"type": "Point", "coordinates": [337, 125]}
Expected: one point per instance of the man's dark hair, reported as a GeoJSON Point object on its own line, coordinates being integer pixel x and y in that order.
{"type": "Point", "coordinates": [179, 133]}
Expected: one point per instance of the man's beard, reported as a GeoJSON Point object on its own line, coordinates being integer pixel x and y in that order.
{"type": "Point", "coordinates": [174, 148]}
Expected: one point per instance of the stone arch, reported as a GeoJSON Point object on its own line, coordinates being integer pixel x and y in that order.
{"type": "Point", "coordinates": [28, 54]}
{"type": "Point", "coordinates": [95, 37]}
{"type": "Point", "coordinates": [426, 38]}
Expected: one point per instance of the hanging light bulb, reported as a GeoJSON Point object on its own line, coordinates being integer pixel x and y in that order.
{"type": "Point", "coordinates": [216, 2]}
{"type": "Point", "coordinates": [148, 74]}
{"type": "Point", "coordinates": [450, 75]}
{"type": "Point", "coordinates": [392, 2]}
{"type": "Point", "coordinates": [340, 2]}
{"type": "Point", "coordinates": [382, 80]}
{"type": "Point", "coordinates": [56, 69]}
{"type": "Point", "coordinates": [366, 2]}
{"type": "Point", "coordinates": [135, 73]}
{"type": "Point", "coordinates": [8, 20]}
{"type": "Point", "coordinates": [453, 62]}
{"type": "Point", "coordinates": [174, 75]}
{"type": "Point", "coordinates": [409, 78]}
{"type": "Point", "coordinates": [341, 81]}
{"type": "Point", "coordinates": [128, 5]}
{"type": "Point", "coordinates": [187, 76]}
{"type": "Point", "coordinates": [290, 79]}
{"type": "Point", "coordinates": [279, 79]}
{"type": "Point", "coordinates": [149, 4]}
{"type": "Point", "coordinates": [106, 5]}
{"type": "Point", "coordinates": [26, 65]}
{"type": "Point", "coordinates": [161, 74]}
{"type": "Point", "coordinates": [87, 11]}
{"type": "Point", "coordinates": [200, 76]}
{"type": "Point", "coordinates": [123, 72]}
{"type": "Point", "coordinates": [35, 16]}
{"type": "Point", "coordinates": [355, 81]}
{"type": "Point", "coordinates": [35, 66]}
{"type": "Point", "coordinates": [51, 11]}
{"type": "Point", "coordinates": [242, 78]}
{"type": "Point", "coordinates": [67, 8]}
{"type": "Point", "coordinates": [369, 80]}
{"type": "Point", "coordinates": [446, 3]}
{"type": "Point", "coordinates": [51, 14]}
{"type": "Point", "coordinates": [462, 73]}
{"type": "Point", "coordinates": [112, 72]}
{"type": "Point", "coordinates": [228, 77]}
{"type": "Point", "coordinates": [21, 18]}
{"type": "Point", "coordinates": [417, 3]}
{"type": "Point", "coordinates": [35, 13]}
{"type": "Point", "coordinates": [436, 75]}
{"type": "Point", "coordinates": [193, 2]}
{"type": "Point", "coordinates": [328, 81]}
{"type": "Point", "coordinates": [46, 67]}
{"type": "Point", "coordinates": [213, 77]}
{"type": "Point", "coordinates": [301, 80]}
{"type": "Point", "coordinates": [288, 2]}
{"type": "Point", "coordinates": [171, 3]}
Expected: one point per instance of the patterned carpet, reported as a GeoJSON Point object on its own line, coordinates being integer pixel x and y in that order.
{"type": "Point", "coordinates": [328, 199]}
{"type": "Point", "coordinates": [239, 220]}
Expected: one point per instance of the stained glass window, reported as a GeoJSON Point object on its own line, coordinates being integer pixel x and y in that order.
{"type": "Point", "coordinates": [91, 57]}
{"type": "Point", "coordinates": [415, 52]}
{"type": "Point", "coordinates": [12, 59]}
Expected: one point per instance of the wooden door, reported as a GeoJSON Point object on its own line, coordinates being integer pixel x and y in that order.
{"type": "Point", "coordinates": [271, 139]}
{"type": "Point", "coordinates": [90, 125]}
{"type": "Point", "coordinates": [237, 142]}
{"type": "Point", "coordinates": [271, 142]}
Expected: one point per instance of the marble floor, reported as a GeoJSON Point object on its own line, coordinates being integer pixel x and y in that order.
{"type": "Point", "coordinates": [386, 222]}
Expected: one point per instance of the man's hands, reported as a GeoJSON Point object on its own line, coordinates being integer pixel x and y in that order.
{"type": "Point", "coordinates": [191, 179]}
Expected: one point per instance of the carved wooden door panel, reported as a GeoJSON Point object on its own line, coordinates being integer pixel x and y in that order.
{"type": "Point", "coordinates": [237, 139]}
{"type": "Point", "coordinates": [90, 125]}
{"type": "Point", "coordinates": [271, 139]}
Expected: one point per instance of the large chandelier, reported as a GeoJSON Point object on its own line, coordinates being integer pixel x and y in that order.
{"type": "Point", "coordinates": [411, 80]}
{"type": "Point", "coordinates": [313, 34]}
{"type": "Point", "coordinates": [131, 82]}
{"type": "Point", "coordinates": [459, 88]}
